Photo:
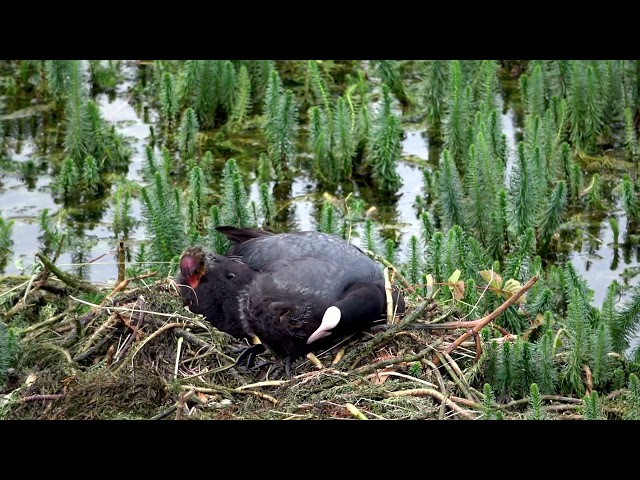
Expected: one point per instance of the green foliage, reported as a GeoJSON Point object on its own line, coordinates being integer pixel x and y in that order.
{"type": "Point", "coordinates": [169, 107]}
{"type": "Point", "coordinates": [76, 119]}
{"type": "Point", "coordinates": [547, 374]}
{"type": "Point", "coordinates": [281, 131]}
{"type": "Point", "coordinates": [210, 88]}
{"type": "Point", "coordinates": [216, 241]}
{"type": "Point", "coordinates": [6, 231]}
{"type": "Point", "coordinates": [91, 173]}
{"type": "Point", "coordinates": [488, 410]}
{"type": "Point", "coordinates": [67, 180]}
{"type": "Point", "coordinates": [553, 213]}
{"type": "Point", "coordinates": [9, 351]}
{"type": "Point", "coordinates": [320, 144]}
{"type": "Point", "coordinates": [104, 74]}
{"type": "Point", "coordinates": [450, 200]}
{"type": "Point", "coordinates": [197, 189]}
{"type": "Point", "coordinates": [162, 215]}
{"type": "Point", "coordinates": [389, 72]}
{"type": "Point", "coordinates": [594, 193]}
{"type": "Point", "coordinates": [627, 320]}
{"type": "Point", "coordinates": [579, 352]}
{"type": "Point", "coordinates": [385, 147]}
{"type": "Point", "coordinates": [426, 228]}
{"type": "Point", "coordinates": [457, 118]}
{"type": "Point", "coordinates": [628, 197]}
{"type": "Point", "coordinates": [633, 398]}
{"type": "Point", "coordinates": [51, 235]}
{"type": "Point", "coordinates": [591, 407]}
{"type": "Point", "coordinates": [535, 93]}
{"type": "Point", "coordinates": [631, 138]}
{"type": "Point", "coordinates": [344, 146]}
{"type": "Point", "coordinates": [123, 220]}
{"type": "Point", "coordinates": [521, 201]}
{"type": "Point", "coordinates": [415, 369]}
{"type": "Point", "coordinates": [267, 205]}
{"type": "Point", "coordinates": [601, 346]}
{"type": "Point", "coordinates": [433, 88]}
{"type": "Point", "coordinates": [390, 250]}
{"type": "Point", "coordinates": [234, 210]}
{"type": "Point", "coordinates": [413, 266]}
{"type": "Point", "coordinates": [328, 222]}
{"type": "Point", "coordinates": [242, 103]}
{"type": "Point", "coordinates": [58, 75]}
{"type": "Point", "coordinates": [187, 136]}
{"type": "Point", "coordinates": [536, 411]}
{"type": "Point", "coordinates": [371, 239]}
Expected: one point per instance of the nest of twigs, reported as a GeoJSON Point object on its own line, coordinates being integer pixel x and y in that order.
{"type": "Point", "coordinates": [138, 354]}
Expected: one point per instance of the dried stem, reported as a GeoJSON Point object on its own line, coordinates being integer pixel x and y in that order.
{"type": "Point", "coordinates": [485, 320]}
{"type": "Point", "coordinates": [428, 392]}
{"type": "Point", "coordinates": [353, 410]}
{"type": "Point", "coordinates": [69, 279]}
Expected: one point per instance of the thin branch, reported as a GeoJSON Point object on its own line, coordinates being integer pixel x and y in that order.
{"type": "Point", "coordinates": [485, 320]}
{"type": "Point", "coordinates": [65, 277]}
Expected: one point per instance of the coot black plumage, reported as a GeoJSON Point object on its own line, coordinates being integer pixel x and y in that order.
{"type": "Point", "coordinates": [310, 286]}
{"type": "Point", "coordinates": [209, 284]}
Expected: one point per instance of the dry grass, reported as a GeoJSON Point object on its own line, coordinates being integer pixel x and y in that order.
{"type": "Point", "coordinates": [141, 355]}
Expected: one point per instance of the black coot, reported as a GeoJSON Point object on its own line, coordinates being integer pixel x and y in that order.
{"type": "Point", "coordinates": [311, 288]}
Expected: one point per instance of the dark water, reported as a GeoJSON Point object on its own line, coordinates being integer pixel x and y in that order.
{"type": "Point", "coordinates": [596, 259]}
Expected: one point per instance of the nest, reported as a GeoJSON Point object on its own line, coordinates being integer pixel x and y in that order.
{"type": "Point", "coordinates": [139, 354]}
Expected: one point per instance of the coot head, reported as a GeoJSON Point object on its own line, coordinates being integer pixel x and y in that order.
{"type": "Point", "coordinates": [193, 265]}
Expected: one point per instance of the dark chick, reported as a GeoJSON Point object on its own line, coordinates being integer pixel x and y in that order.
{"type": "Point", "coordinates": [209, 285]}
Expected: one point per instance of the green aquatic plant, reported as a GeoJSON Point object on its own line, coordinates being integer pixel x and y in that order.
{"type": "Point", "coordinates": [633, 398]}
{"type": "Point", "coordinates": [594, 192]}
{"type": "Point", "coordinates": [187, 135]}
{"type": "Point", "coordinates": [385, 148]}
{"type": "Point", "coordinates": [536, 412]}
{"type": "Point", "coordinates": [450, 195]}
{"type": "Point", "coordinates": [215, 240]}
{"type": "Point", "coordinates": [521, 195]}
{"type": "Point", "coordinates": [370, 237]}
{"type": "Point", "coordinates": [553, 213]}
{"type": "Point", "coordinates": [328, 222]}
{"type": "Point", "coordinates": [66, 181]}
{"type": "Point", "coordinates": [267, 204]}
{"type": "Point", "coordinates": [76, 118]}
{"type": "Point", "coordinates": [390, 248]}
{"type": "Point", "coordinates": [344, 146]}
{"type": "Point", "coordinates": [433, 90]}
{"type": "Point", "coordinates": [123, 220]}
{"type": "Point", "coordinates": [162, 214]}
{"type": "Point", "coordinates": [234, 208]}
{"type": "Point", "coordinates": [58, 75]}
{"type": "Point", "coordinates": [592, 408]}
{"type": "Point", "coordinates": [631, 137]}
{"type": "Point", "coordinates": [242, 103]}
{"type": "Point", "coordinates": [281, 130]}
{"type": "Point", "coordinates": [456, 122]}
{"type": "Point", "coordinates": [91, 173]}
{"type": "Point", "coordinates": [628, 197]}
